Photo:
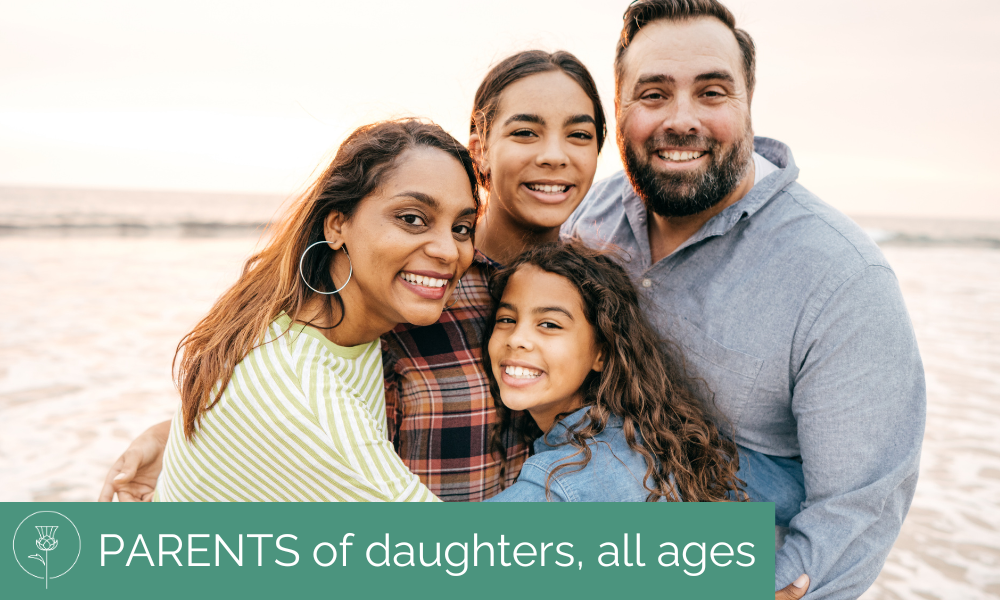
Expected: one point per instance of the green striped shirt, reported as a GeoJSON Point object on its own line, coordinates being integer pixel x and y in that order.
{"type": "Point", "coordinates": [302, 419]}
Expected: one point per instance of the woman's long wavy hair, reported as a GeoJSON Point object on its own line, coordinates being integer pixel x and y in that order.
{"type": "Point", "coordinates": [662, 418]}
{"type": "Point", "coordinates": [270, 281]}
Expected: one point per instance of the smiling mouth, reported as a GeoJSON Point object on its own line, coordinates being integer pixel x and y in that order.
{"type": "Point", "coordinates": [522, 372]}
{"type": "Point", "coordinates": [685, 156]}
{"type": "Point", "coordinates": [423, 281]}
{"type": "Point", "coordinates": [547, 189]}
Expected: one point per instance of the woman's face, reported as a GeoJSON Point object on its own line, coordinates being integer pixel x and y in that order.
{"type": "Point", "coordinates": [541, 153]}
{"type": "Point", "coordinates": [542, 347]}
{"type": "Point", "coordinates": [409, 241]}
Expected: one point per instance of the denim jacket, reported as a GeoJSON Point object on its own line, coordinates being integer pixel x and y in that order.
{"type": "Point", "coordinates": [614, 474]}
{"type": "Point", "coordinates": [615, 471]}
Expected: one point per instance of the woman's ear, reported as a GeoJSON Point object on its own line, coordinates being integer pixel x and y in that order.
{"type": "Point", "coordinates": [598, 361]}
{"type": "Point", "coordinates": [333, 229]}
{"type": "Point", "coordinates": [478, 154]}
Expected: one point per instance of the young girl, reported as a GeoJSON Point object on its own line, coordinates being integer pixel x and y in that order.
{"type": "Point", "coordinates": [612, 416]}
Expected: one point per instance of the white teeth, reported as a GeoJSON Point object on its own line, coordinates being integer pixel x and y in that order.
{"type": "Point", "coordinates": [548, 189]}
{"type": "Point", "coordinates": [424, 281]}
{"type": "Point", "coordinates": [680, 156]}
{"type": "Point", "coordinates": [522, 372]}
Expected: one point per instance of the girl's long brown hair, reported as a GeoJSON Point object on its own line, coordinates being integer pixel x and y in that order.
{"type": "Point", "coordinates": [270, 281]}
{"type": "Point", "coordinates": [662, 418]}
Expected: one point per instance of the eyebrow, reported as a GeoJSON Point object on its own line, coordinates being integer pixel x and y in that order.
{"type": "Point", "coordinates": [716, 75]}
{"type": "Point", "coordinates": [539, 310]}
{"type": "Point", "coordinates": [431, 202]}
{"type": "Point", "coordinates": [525, 118]}
{"type": "Point", "coordinates": [419, 197]}
{"type": "Point", "coordinates": [558, 309]}
{"type": "Point", "coordinates": [576, 119]}
{"type": "Point", "coordinates": [658, 78]}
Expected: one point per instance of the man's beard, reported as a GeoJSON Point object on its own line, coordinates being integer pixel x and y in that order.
{"type": "Point", "coordinates": [680, 194]}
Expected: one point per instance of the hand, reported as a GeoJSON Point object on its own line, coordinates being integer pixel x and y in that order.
{"type": "Point", "coordinates": [794, 590]}
{"type": "Point", "coordinates": [133, 476]}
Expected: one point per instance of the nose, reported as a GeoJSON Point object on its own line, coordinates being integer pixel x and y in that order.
{"type": "Point", "coordinates": [682, 117]}
{"type": "Point", "coordinates": [520, 339]}
{"type": "Point", "coordinates": [552, 153]}
{"type": "Point", "coordinates": [443, 247]}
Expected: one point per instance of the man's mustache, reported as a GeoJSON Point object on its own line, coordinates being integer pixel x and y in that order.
{"type": "Point", "coordinates": [673, 140]}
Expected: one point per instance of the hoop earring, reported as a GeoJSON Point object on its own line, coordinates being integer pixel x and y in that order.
{"type": "Point", "coordinates": [454, 295]}
{"type": "Point", "coordinates": [302, 275]}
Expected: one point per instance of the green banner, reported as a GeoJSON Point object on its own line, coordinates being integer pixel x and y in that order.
{"type": "Point", "coordinates": [672, 550]}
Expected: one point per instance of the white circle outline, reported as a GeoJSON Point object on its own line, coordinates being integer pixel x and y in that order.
{"type": "Point", "coordinates": [78, 538]}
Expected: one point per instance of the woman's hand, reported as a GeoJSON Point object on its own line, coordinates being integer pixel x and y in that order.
{"type": "Point", "coordinates": [794, 590]}
{"type": "Point", "coordinates": [133, 476]}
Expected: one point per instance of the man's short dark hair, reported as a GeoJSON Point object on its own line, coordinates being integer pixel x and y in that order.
{"type": "Point", "coordinates": [643, 12]}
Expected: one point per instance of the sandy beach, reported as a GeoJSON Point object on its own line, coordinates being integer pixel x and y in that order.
{"type": "Point", "coordinates": [93, 320]}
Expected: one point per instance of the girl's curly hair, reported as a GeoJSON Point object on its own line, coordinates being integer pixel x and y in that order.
{"type": "Point", "coordinates": [686, 457]}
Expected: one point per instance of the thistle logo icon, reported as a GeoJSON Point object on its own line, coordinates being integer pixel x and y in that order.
{"type": "Point", "coordinates": [46, 542]}
{"type": "Point", "coordinates": [48, 566]}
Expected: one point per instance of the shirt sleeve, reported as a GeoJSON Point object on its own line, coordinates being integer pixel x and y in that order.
{"type": "Point", "coordinates": [393, 407]}
{"type": "Point", "coordinates": [860, 405]}
{"type": "Point", "coordinates": [530, 487]}
{"type": "Point", "coordinates": [361, 460]}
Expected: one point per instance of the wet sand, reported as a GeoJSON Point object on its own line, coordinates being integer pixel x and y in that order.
{"type": "Point", "coordinates": [91, 324]}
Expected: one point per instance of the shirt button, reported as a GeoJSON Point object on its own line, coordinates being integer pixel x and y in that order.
{"type": "Point", "coordinates": [647, 283]}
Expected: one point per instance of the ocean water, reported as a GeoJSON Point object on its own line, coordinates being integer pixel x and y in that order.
{"type": "Point", "coordinates": [97, 288]}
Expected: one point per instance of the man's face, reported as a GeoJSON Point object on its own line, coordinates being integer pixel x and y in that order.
{"type": "Point", "coordinates": [684, 115]}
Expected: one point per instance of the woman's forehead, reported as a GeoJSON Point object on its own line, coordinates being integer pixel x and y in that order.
{"type": "Point", "coordinates": [431, 175]}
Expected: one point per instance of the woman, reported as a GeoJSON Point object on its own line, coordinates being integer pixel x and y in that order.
{"type": "Point", "coordinates": [536, 129]}
{"type": "Point", "coordinates": [281, 391]}
{"type": "Point", "coordinates": [612, 417]}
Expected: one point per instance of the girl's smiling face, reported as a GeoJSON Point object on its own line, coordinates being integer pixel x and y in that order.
{"type": "Point", "coordinates": [542, 347]}
{"type": "Point", "coordinates": [541, 151]}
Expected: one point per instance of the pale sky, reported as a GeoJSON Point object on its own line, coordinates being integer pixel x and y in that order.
{"type": "Point", "coordinates": [889, 106]}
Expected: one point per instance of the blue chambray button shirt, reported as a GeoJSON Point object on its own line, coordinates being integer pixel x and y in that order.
{"type": "Point", "coordinates": [794, 319]}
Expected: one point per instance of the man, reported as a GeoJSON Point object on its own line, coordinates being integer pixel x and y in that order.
{"type": "Point", "coordinates": [781, 304]}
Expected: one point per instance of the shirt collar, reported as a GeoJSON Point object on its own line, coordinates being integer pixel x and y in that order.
{"type": "Point", "coordinates": [558, 435]}
{"type": "Point", "coordinates": [482, 259]}
{"type": "Point", "coordinates": [778, 153]}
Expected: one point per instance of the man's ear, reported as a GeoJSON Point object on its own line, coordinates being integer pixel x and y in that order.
{"type": "Point", "coordinates": [478, 154]}
{"type": "Point", "coordinates": [598, 361]}
{"type": "Point", "coordinates": [333, 229]}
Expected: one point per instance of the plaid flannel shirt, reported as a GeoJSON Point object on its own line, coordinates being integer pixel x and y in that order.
{"type": "Point", "coordinates": [437, 399]}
